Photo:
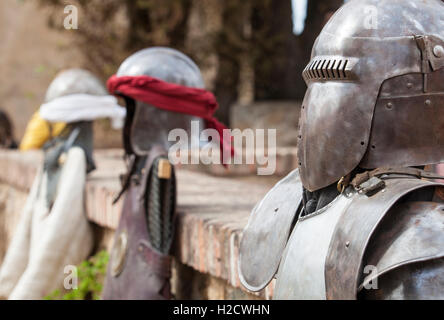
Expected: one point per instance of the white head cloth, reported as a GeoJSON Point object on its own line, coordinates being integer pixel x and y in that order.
{"type": "Point", "coordinates": [83, 107]}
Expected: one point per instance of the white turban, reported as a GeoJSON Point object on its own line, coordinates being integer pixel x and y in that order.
{"type": "Point", "coordinates": [83, 107]}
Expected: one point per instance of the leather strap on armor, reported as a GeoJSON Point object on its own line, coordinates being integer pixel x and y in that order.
{"type": "Point", "coordinates": [360, 178]}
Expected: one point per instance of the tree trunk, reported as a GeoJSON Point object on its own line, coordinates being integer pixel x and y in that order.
{"type": "Point", "coordinates": [279, 69]}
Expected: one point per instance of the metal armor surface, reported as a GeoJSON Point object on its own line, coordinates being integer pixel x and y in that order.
{"type": "Point", "coordinates": [265, 236]}
{"type": "Point", "coordinates": [146, 125]}
{"type": "Point", "coordinates": [374, 99]}
{"type": "Point", "coordinates": [399, 114]}
{"type": "Point", "coordinates": [353, 232]}
{"type": "Point", "coordinates": [345, 114]}
{"type": "Point", "coordinates": [136, 269]}
{"type": "Point", "coordinates": [301, 272]}
{"type": "Point", "coordinates": [418, 226]}
{"type": "Point", "coordinates": [325, 254]}
{"type": "Point", "coordinates": [74, 81]}
{"type": "Point", "coordinates": [414, 281]}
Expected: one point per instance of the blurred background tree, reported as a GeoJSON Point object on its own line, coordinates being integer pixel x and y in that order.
{"type": "Point", "coordinates": [246, 49]}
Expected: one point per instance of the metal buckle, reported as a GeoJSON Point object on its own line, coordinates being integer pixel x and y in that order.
{"type": "Point", "coordinates": [343, 183]}
{"type": "Point", "coordinates": [340, 186]}
{"type": "Point", "coordinates": [371, 186]}
{"type": "Point", "coordinates": [164, 169]}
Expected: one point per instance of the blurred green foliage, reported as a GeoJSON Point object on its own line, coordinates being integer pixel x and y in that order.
{"type": "Point", "coordinates": [91, 275]}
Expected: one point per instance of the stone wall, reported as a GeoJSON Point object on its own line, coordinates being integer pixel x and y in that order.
{"type": "Point", "coordinates": [212, 213]}
{"type": "Point", "coordinates": [280, 115]}
{"type": "Point", "coordinates": [11, 201]}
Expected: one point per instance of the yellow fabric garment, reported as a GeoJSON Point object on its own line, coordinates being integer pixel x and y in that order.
{"type": "Point", "coordinates": [38, 131]}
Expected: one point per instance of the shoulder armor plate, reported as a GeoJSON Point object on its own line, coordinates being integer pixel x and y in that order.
{"type": "Point", "coordinates": [267, 232]}
{"type": "Point", "coordinates": [353, 232]}
{"type": "Point", "coordinates": [416, 225]}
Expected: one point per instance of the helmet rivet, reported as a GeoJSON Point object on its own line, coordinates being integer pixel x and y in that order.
{"type": "Point", "coordinates": [389, 105]}
{"type": "Point", "coordinates": [428, 102]}
{"type": "Point", "coordinates": [409, 85]}
{"type": "Point", "coordinates": [438, 51]}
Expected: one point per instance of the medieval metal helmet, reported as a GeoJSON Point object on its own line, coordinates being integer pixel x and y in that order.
{"type": "Point", "coordinates": [146, 125]}
{"type": "Point", "coordinates": [68, 82]}
{"type": "Point", "coordinates": [375, 92]}
{"type": "Point", "coordinates": [74, 81]}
